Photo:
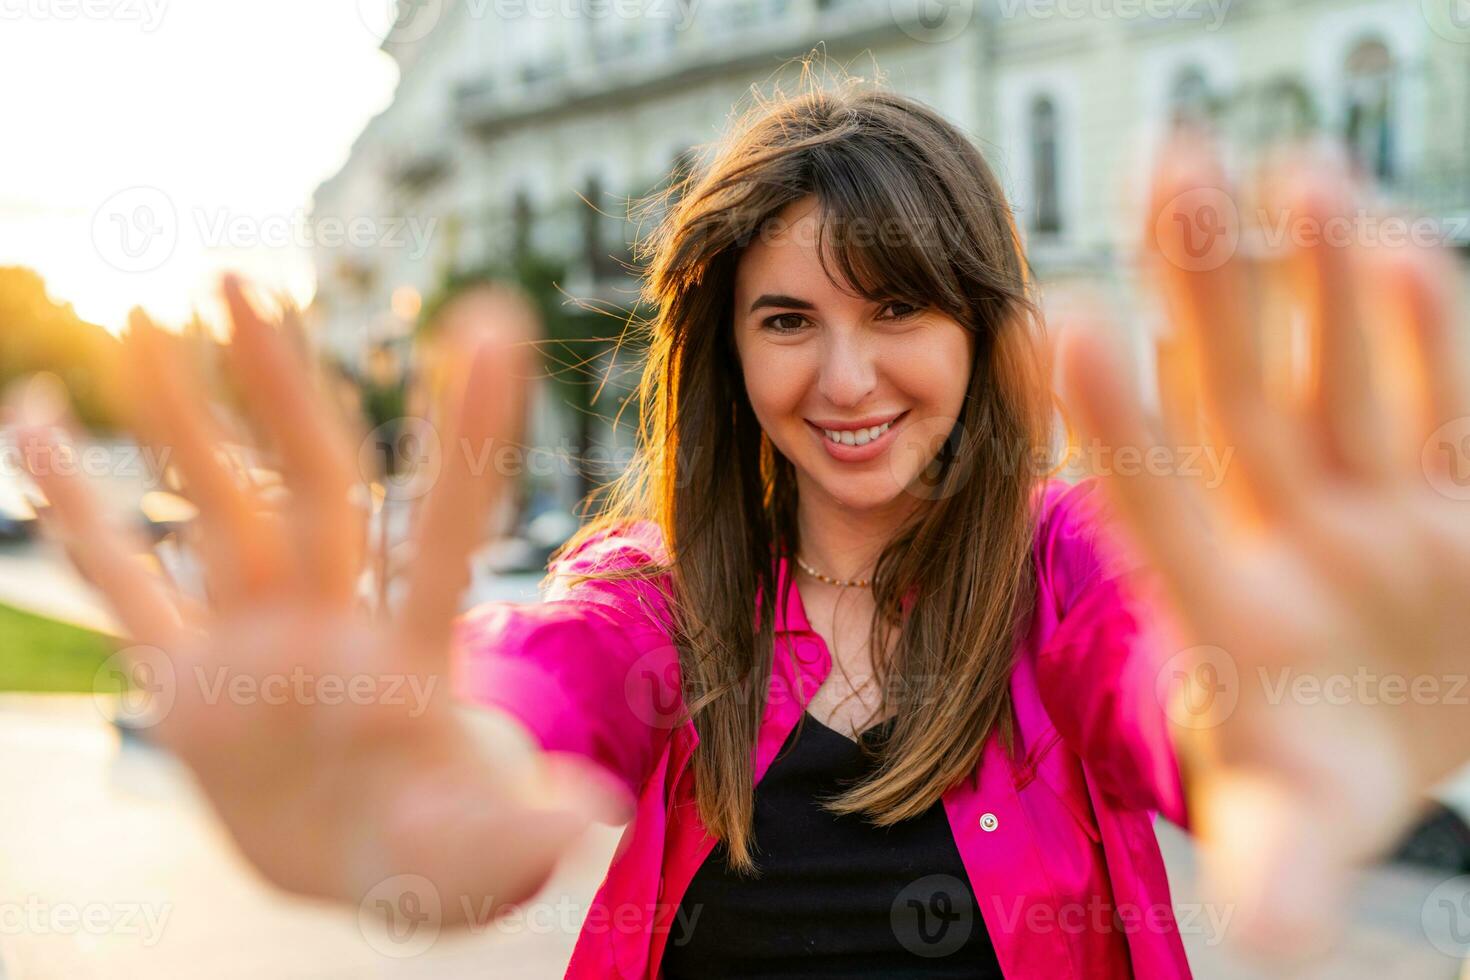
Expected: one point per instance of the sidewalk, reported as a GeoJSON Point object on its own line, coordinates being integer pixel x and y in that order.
{"type": "Point", "coordinates": [90, 822]}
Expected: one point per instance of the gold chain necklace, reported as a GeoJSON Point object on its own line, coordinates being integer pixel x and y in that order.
{"type": "Point", "coordinates": [861, 583]}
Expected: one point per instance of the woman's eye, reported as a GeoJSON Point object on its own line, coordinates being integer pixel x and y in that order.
{"type": "Point", "coordinates": [897, 310]}
{"type": "Point", "coordinates": [785, 322]}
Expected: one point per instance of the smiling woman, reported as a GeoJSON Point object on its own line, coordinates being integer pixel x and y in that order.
{"type": "Point", "coordinates": [880, 699]}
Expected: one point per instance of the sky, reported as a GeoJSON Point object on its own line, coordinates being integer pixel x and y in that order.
{"type": "Point", "coordinates": [148, 145]}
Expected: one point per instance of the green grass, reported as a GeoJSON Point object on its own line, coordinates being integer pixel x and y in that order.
{"type": "Point", "coordinates": [39, 654]}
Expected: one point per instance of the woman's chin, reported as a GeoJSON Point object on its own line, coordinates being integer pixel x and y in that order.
{"type": "Point", "coordinates": [868, 492]}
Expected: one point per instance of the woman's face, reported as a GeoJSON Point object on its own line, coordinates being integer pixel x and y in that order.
{"type": "Point", "coordinates": [858, 395]}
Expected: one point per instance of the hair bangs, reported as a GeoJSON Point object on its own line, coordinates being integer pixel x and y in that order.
{"type": "Point", "coordinates": [882, 233]}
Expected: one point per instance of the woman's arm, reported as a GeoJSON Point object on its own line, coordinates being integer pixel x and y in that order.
{"type": "Point", "coordinates": [1099, 673]}
{"type": "Point", "coordinates": [590, 671]}
{"type": "Point", "coordinates": [325, 737]}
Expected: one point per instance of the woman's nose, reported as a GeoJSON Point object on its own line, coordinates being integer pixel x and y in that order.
{"type": "Point", "coordinates": [849, 371]}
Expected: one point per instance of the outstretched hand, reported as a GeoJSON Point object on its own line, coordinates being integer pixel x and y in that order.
{"type": "Point", "coordinates": [324, 736]}
{"type": "Point", "coordinates": [1323, 588]}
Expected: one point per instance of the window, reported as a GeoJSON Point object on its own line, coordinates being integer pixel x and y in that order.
{"type": "Point", "coordinates": [522, 216]}
{"type": "Point", "coordinates": [1368, 123]}
{"type": "Point", "coordinates": [1191, 104]}
{"type": "Point", "coordinates": [1285, 111]}
{"type": "Point", "coordinates": [604, 242]}
{"type": "Point", "coordinates": [1046, 209]}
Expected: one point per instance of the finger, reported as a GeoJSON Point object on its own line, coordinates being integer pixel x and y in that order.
{"type": "Point", "coordinates": [1325, 270]}
{"type": "Point", "coordinates": [1265, 856]}
{"type": "Point", "coordinates": [1420, 288]}
{"type": "Point", "coordinates": [243, 550]}
{"type": "Point", "coordinates": [1164, 513]}
{"type": "Point", "coordinates": [316, 457]}
{"type": "Point", "coordinates": [1178, 387]}
{"type": "Point", "coordinates": [480, 404]}
{"type": "Point", "coordinates": [1207, 293]}
{"type": "Point", "coordinates": [106, 555]}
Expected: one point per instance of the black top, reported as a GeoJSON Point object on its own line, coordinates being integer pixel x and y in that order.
{"type": "Point", "coordinates": [836, 896]}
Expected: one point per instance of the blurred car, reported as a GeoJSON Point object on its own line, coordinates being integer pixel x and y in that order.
{"type": "Point", "coordinates": [17, 515]}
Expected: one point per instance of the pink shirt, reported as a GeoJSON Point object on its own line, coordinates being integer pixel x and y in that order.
{"type": "Point", "coordinates": [1057, 839]}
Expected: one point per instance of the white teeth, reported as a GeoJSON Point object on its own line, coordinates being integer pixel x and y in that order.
{"type": "Point", "coordinates": [857, 437]}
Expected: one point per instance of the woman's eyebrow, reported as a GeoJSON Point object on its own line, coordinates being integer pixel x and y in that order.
{"type": "Point", "coordinates": [776, 299]}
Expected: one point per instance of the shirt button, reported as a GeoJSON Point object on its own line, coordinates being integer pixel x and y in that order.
{"type": "Point", "coordinates": [988, 822]}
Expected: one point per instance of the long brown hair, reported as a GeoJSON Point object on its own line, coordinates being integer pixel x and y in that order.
{"type": "Point", "coordinates": [939, 235]}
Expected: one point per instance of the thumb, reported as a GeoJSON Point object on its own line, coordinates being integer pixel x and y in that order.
{"type": "Point", "coordinates": [1268, 857]}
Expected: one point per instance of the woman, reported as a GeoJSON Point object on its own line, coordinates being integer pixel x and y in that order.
{"type": "Point", "coordinates": [878, 698]}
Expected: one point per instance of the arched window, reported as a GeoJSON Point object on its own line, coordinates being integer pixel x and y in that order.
{"type": "Point", "coordinates": [1368, 123]}
{"type": "Point", "coordinates": [1191, 103]}
{"type": "Point", "coordinates": [522, 215]}
{"type": "Point", "coordinates": [605, 250]}
{"type": "Point", "coordinates": [1285, 111]}
{"type": "Point", "coordinates": [1046, 208]}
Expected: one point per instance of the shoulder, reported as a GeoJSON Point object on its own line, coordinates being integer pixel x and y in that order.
{"type": "Point", "coordinates": [623, 566]}
{"type": "Point", "coordinates": [1077, 543]}
{"type": "Point", "coordinates": [613, 547]}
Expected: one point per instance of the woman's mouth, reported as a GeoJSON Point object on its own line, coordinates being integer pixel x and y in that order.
{"type": "Point", "coordinates": [856, 445]}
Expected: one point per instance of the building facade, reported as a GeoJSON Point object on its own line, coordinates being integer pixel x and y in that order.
{"type": "Point", "coordinates": [528, 125]}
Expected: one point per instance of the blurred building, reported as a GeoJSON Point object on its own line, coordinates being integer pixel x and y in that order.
{"type": "Point", "coordinates": [527, 125]}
